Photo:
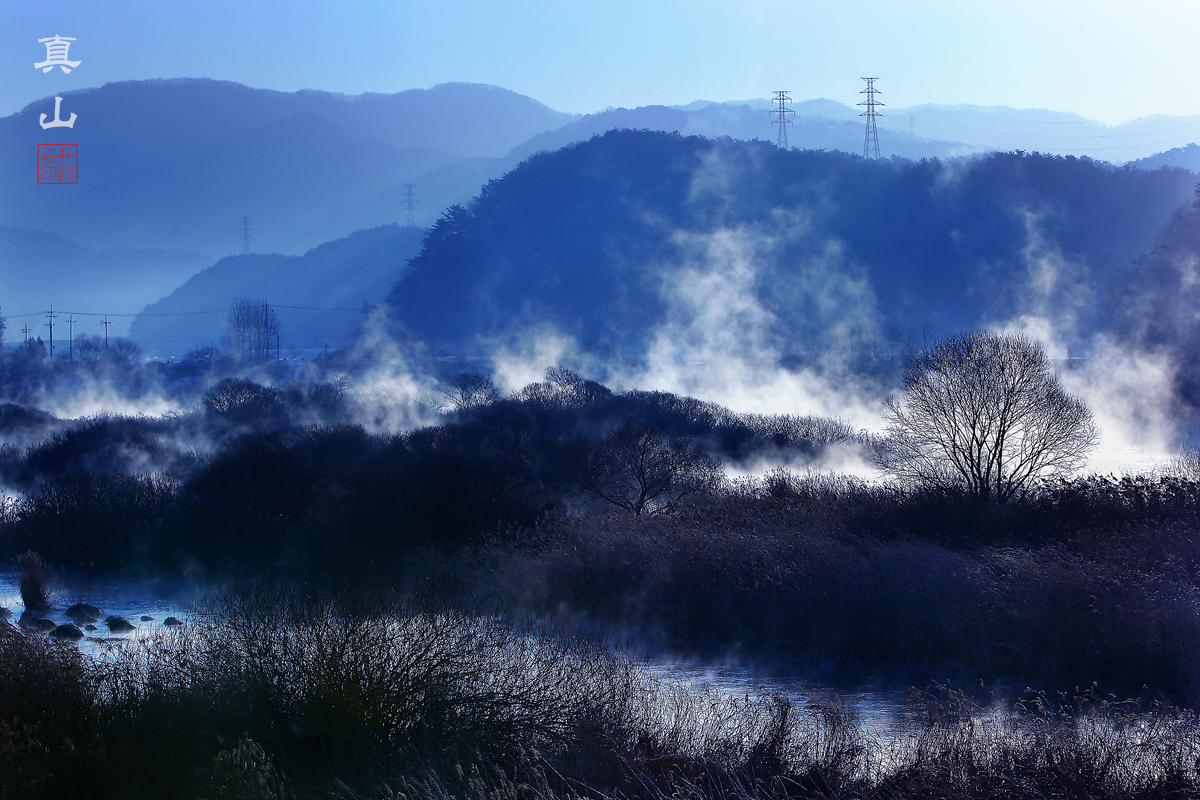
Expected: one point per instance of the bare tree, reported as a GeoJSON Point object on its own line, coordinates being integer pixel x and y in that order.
{"type": "Point", "coordinates": [643, 470]}
{"type": "Point", "coordinates": [253, 330]}
{"type": "Point", "coordinates": [89, 347]}
{"type": "Point", "coordinates": [470, 390]}
{"type": "Point", "coordinates": [124, 351]}
{"type": "Point", "coordinates": [983, 411]}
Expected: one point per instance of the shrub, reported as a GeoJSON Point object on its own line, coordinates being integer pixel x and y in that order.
{"type": "Point", "coordinates": [243, 401]}
{"type": "Point", "coordinates": [95, 518]}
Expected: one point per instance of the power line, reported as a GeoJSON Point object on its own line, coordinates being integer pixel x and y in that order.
{"type": "Point", "coordinates": [781, 119]}
{"type": "Point", "coordinates": [871, 141]}
{"type": "Point", "coordinates": [172, 313]}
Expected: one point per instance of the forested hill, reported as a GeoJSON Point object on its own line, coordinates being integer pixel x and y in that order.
{"type": "Point", "coordinates": [633, 233]}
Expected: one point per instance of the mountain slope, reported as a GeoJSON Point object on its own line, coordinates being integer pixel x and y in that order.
{"type": "Point", "coordinates": [332, 283]}
{"type": "Point", "coordinates": [1183, 157]}
{"type": "Point", "coordinates": [634, 236]}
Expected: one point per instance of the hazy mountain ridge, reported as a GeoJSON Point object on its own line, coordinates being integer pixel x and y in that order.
{"type": "Point", "coordinates": [346, 274]}
{"type": "Point", "coordinates": [1181, 157]}
{"type": "Point", "coordinates": [607, 240]}
{"type": "Point", "coordinates": [39, 269]}
{"type": "Point", "coordinates": [155, 154]}
{"type": "Point", "coordinates": [808, 131]}
{"type": "Point", "coordinates": [973, 128]}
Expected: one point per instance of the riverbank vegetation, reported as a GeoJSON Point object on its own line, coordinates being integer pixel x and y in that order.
{"type": "Point", "coordinates": [489, 533]}
{"type": "Point", "coordinates": [273, 691]}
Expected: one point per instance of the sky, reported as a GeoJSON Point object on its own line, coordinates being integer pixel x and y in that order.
{"type": "Point", "coordinates": [1108, 61]}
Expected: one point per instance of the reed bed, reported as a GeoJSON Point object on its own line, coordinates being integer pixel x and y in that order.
{"type": "Point", "coordinates": [273, 692]}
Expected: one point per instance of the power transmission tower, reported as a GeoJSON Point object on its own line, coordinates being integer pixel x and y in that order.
{"type": "Point", "coordinates": [50, 315]}
{"type": "Point", "coordinates": [106, 323]}
{"type": "Point", "coordinates": [410, 205]}
{"type": "Point", "coordinates": [781, 119]}
{"type": "Point", "coordinates": [871, 143]}
{"type": "Point", "coordinates": [247, 235]}
{"type": "Point", "coordinates": [71, 339]}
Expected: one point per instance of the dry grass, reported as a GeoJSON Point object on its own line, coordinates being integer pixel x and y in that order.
{"type": "Point", "coordinates": [270, 693]}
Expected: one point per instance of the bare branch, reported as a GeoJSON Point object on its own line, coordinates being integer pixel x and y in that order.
{"type": "Point", "coordinates": [984, 412]}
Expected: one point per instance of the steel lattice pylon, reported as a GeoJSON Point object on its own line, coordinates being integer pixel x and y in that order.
{"type": "Point", "coordinates": [780, 114]}
{"type": "Point", "coordinates": [871, 142]}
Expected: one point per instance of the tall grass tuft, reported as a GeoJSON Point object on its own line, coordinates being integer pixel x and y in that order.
{"type": "Point", "coordinates": [33, 581]}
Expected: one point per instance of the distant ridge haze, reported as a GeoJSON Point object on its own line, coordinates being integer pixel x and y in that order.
{"type": "Point", "coordinates": [174, 163]}
{"type": "Point", "coordinates": [168, 167]}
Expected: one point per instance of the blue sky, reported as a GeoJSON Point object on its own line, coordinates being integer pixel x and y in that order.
{"type": "Point", "coordinates": [1111, 61]}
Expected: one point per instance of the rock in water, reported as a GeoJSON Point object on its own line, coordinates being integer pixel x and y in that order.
{"type": "Point", "coordinates": [147, 618]}
{"type": "Point", "coordinates": [46, 625]}
{"type": "Point", "coordinates": [84, 610]}
{"type": "Point", "coordinates": [172, 621]}
{"type": "Point", "coordinates": [68, 631]}
{"type": "Point", "coordinates": [118, 624]}
{"type": "Point", "coordinates": [89, 628]}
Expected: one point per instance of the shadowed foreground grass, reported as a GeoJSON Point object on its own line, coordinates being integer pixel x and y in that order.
{"type": "Point", "coordinates": [269, 693]}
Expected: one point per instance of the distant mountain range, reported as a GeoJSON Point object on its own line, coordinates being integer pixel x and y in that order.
{"type": "Point", "coordinates": [176, 163]}
{"type": "Point", "coordinates": [168, 168]}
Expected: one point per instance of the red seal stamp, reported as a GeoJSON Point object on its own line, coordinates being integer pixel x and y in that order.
{"type": "Point", "coordinates": [58, 163]}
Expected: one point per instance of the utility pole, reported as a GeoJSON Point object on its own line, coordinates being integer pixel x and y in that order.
{"type": "Point", "coordinates": [26, 329]}
{"type": "Point", "coordinates": [71, 339]}
{"type": "Point", "coordinates": [781, 119]}
{"type": "Point", "coordinates": [106, 323]}
{"type": "Point", "coordinates": [410, 204]}
{"type": "Point", "coordinates": [247, 235]}
{"type": "Point", "coordinates": [871, 142]}
{"type": "Point", "coordinates": [50, 315]}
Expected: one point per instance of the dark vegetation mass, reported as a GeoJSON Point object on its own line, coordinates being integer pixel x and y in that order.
{"type": "Point", "coordinates": [569, 499]}
{"type": "Point", "coordinates": [242, 483]}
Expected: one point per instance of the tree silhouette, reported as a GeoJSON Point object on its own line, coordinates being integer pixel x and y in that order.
{"type": "Point", "coordinates": [644, 470]}
{"type": "Point", "coordinates": [983, 411]}
{"type": "Point", "coordinates": [253, 330]}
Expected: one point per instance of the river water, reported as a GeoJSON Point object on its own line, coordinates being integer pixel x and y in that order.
{"type": "Point", "coordinates": [147, 606]}
{"type": "Point", "coordinates": [131, 601]}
